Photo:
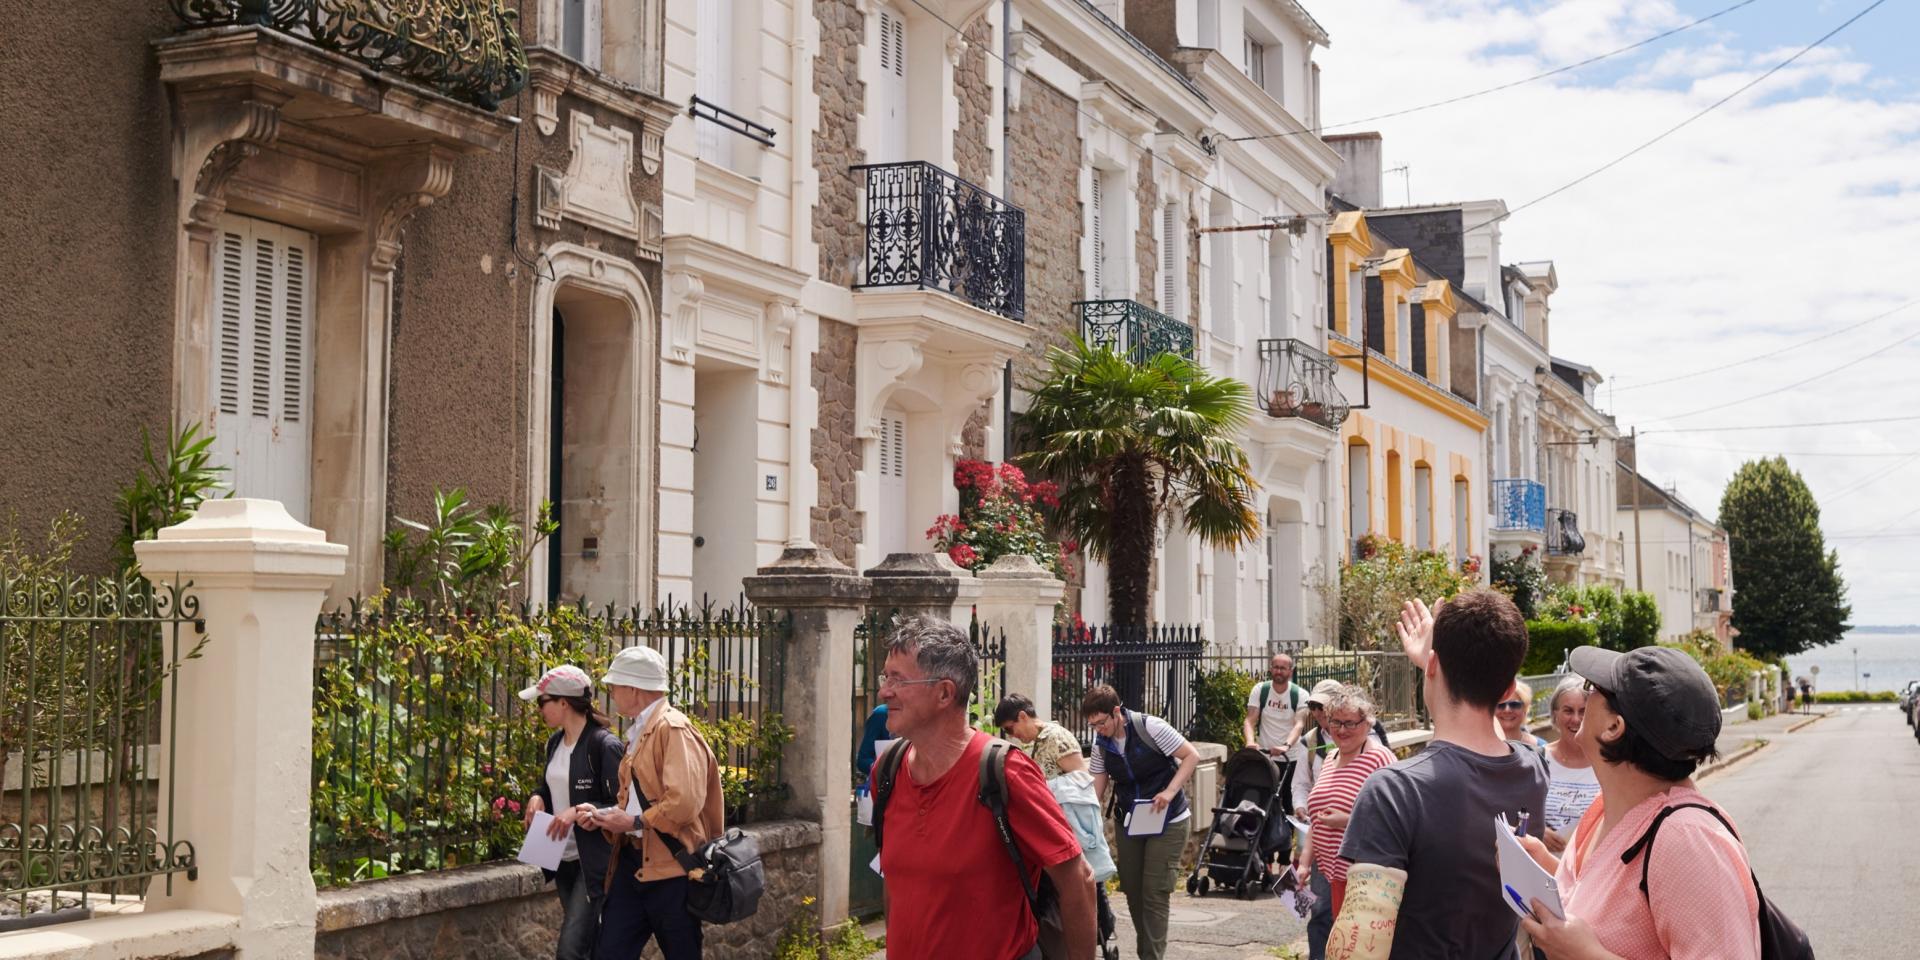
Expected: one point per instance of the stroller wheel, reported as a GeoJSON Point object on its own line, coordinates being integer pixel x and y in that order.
{"type": "Point", "coordinates": [1240, 890]}
{"type": "Point", "coordinates": [1193, 884]}
{"type": "Point", "coordinates": [1206, 883]}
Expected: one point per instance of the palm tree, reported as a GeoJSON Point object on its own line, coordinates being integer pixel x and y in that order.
{"type": "Point", "coordinates": [1132, 445]}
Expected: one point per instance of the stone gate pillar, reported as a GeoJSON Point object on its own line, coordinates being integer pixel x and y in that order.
{"type": "Point", "coordinates": [1018, 595]}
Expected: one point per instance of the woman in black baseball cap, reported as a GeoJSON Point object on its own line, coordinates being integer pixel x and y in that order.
{"type": "Point", "coordinates": [1652, 717]}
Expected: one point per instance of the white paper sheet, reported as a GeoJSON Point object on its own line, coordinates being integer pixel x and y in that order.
{"type": "Point", "coordinates": [1145, 821]}
{"type": "Point", "coordinates": [880, 747]}
{"type": "Point", "coordinates": [538, 848]}
{"type": "Point", "coordinates": [1521, 879]}
{"type": "Point", "coordinates": [864, 813]}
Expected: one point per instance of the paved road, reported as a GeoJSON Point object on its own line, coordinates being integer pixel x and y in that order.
{"type": "Point", "coordinates": [1831, 814]}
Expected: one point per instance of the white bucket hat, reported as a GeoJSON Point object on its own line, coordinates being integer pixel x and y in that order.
{"type": "Point", "coordinates": [565, 680]}
{"type": "Point", "coordinates": [639, 667]}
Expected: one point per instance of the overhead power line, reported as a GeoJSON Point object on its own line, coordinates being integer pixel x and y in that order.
{"type": "Point", "coordinates": [1769, 452]}
{"type": "Point", "coordinates": [1780, 426]}
{"type": "Point", "coordinates": [1556, 71]}
{"type": "Point", "coordinates": [1762, 356]}
{"type": "Point", "coordinates": [1799, 383]}
{"type": "Point", "coordinates": [1676, 128]}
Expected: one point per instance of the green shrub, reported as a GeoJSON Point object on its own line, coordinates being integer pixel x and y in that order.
{"type": "Point", "coordinates": [1521, 577]}
{"type": "Point", "coordinates": [1548, 642]}
{"type": "Point", "coordinates": [1729, 671]}
{"type": "Point", "coordinates": [1368, 593]}
{"type": "Point", "coordinates": [1754, 710]}
{"type": "Point", "coordinates": [804, 940]}
{"type": "Point", "coordinates": [170, 486]}
{"type": "Point", "coordinates": [1621, 621]}
{"type": "Point", "coordinates": [1220, 705]}
{"type": "Point", "coordinates": [1856, 696]}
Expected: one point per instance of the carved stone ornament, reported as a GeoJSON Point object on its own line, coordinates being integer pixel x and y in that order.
{"type": "Point", "coordinates": [683, 294]}
{"type": "Point", "coordinates": [881, 362]}
{"type": "Point", "coordinates": [652, 137]}
{"type": "Point", "coordinates": [599, 182]}
{"type": "Point", "coordinates": [550, 197]}
{"type": "Point", "coordinates": [405, 185]}
{"type": "Point", "coordinates": [652, 232]}
{"type": "Point", "coordinates": [781, 316]}
{"type": "Point", "coordinates": [228, 139]}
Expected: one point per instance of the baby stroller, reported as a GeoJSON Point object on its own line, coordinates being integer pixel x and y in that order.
{"type": "Point", "coordinates": [1249, 827]}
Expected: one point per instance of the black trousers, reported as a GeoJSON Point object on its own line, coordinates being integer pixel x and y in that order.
{"type": "Point", "coordinates": [636, 912]}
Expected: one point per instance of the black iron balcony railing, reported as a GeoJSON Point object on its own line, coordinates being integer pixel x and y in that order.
{"type": "Point", "coordinates": [469, 50]}
{"type": "Point", "coordinates": [1710, 600]}
{"type": "Point", "coordinates": [1563, 533]}
{"type": "Point", "coordinates": [1296, 380]}
{"type": "Point", "coordinates": [928, 228]}
{"type": "Point", "coordinates": [1133, 329]}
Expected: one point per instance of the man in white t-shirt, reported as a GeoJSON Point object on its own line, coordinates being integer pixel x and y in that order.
{"type": "Point", "coordinates": [1276, 711]}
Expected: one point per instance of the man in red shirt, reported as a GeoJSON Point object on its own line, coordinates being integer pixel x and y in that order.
{"type": "Point", "coordinates": [951, 887]}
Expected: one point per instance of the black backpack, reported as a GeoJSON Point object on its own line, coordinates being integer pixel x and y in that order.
{"type": "Point", "coordinates": [1042, 898]}
{"type": "Point", "coordinates": [1780, 938]}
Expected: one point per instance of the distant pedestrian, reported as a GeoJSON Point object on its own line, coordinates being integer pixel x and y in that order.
{"type": "Point", "coordinates": [1276, 711]}
{"type": "Point", "coordinates": [1652, 717]}
{"type": "Point", "coordinates": [669, 787]}
{"type": "Point", "coordinates": [1349, 715]}
{"type": "Point", "coordinates": [952, 887]}
{"type": "Point", "coordinates": [1514, 710]}
{"type": "Point", "coordinates": [582, 774]}
{"type": "Point", "coordinates": [1424, 881]}
{"type": "Point", "coordinates": [1145, 761]}
{"type": "Point", "coordinates": [1571, 783]}
{"type": "Point", "coordinates": [872, 733]}
{"type": "Point", "coordinates": [1051, 745]}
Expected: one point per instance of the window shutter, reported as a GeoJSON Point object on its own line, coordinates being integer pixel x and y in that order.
{"type": "Point", "coordinates": [1169, 258]}
{"type": "Point", "coordinates": [713, 76]}
{"type": "Point", "coordinates": [891, 98]}
{"type": "Point", "coordinates": [1099, 236]}
{"type": "Point", "coordinates": [261, 368]}
{"type": "Point", "coordinates": [294, 325]}
{"type": "Point", "coordinates": [227, 311]}
{"type": "Point", "coordinates": [263, 310]}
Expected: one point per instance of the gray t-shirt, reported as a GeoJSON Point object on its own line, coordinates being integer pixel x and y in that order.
{"type": "Point", "coordinates": [1431, 815]}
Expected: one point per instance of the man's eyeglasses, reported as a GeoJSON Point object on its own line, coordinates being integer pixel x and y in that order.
{"type": "Point", "coordinates": [889, 680]}
{"type": "Point", "coordinates": [1344, 725]}
{"type": "Point", "coordinates": [1511, 705]}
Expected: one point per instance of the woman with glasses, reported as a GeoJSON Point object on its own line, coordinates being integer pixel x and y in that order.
{"type": "Point", "coordinates": [1348, 718]}
{"type": "Point", "coordinates": [1571, 784]}
{"type": "Point", "coordinates": [1512, 712]}
{"type": "Point", "coordinates": [582, 773]}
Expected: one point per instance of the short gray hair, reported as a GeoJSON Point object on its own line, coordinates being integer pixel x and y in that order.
{"type": "Point", "coordinates": [1350, 697]}
{"type": "Point", "coordinates": [1569, 685]}
{"type": "Point", "coordinates": [941, 651]}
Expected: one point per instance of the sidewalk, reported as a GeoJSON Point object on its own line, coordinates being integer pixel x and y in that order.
{"type": "Point", "coordinates": [1739, 740]}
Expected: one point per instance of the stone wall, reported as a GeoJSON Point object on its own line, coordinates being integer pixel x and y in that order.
{"type": "Point", "coordinates": [971, 155]}
{"type": "Point", "coordinates": [507, 911]}
{"type": "Point", "coordinates": [1146, 245]}
{"type": "Point", "coordinates": [837, 524]}
{"type": "Point", "coordinates": [836, 79]}
{"type": "Point", "coordinates": [1045, 150]}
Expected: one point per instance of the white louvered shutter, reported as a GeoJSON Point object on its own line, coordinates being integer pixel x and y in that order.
{"type": "Point", "coordinates": [713, 77]}
{"type": "Point", "coordinates": [1169, 259]}
{"type": "Point", "coordinates": [890, 527]}
{"type": "Point", "coordinates": [892, 101]}
{"type": "Point", "coordinates": [1099, 234]}
{"type": "Point", "coordinates": [263, 332]}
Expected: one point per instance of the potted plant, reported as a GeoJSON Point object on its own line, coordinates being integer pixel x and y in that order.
{"type": "Point", "coordinates": [1281, 404]}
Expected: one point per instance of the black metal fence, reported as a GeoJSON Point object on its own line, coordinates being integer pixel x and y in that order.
{"type": "Point", "coordinates": [424, 755]}
{"type": "Point", "coordinates": [1152, 667]}
{"type": "Point", "coordinates": [870, 639]}
{"type": "Point", "coordinates": [1133, 329]}
{"type": "Point", "coordinates": [85, 664]}
{"type": "Point", "coordinates": [928, 228]}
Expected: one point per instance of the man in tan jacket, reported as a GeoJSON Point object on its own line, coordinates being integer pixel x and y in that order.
{"type": "Point", "coordinates": [669, 785]}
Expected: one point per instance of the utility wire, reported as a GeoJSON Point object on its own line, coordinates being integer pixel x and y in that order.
{"type": "Point", "coordinates": [1800, 383]}
{"type": "Point", "coordinates": [1676, 128]}
{"type": "Point", "coordinates": [1496, 89]}
{"type": "Point", "coordinates": [1771, 353]}
{"type": "Point", "coordinates": [1769, 452]}
{"type": "Point", "coordinates": [1873, 478]}
{"type": "Point", "coordinates": [1780, 426]}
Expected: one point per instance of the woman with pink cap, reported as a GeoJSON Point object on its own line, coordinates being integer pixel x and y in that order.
{"type": "Point", "coordinates": [583, 765]}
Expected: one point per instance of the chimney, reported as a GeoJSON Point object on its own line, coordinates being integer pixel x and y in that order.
{"type": "Point", "coordinates": [1358, 181]}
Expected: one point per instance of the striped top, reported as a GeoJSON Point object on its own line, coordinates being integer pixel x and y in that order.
{"type": "Point", "coordinates": [1336, 789]}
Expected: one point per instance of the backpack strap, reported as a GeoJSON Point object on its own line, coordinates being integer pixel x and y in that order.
{"type": "Point", "coordinates": [1138, 722]}
{"type": "Point", "coordinates": [1266, 690]}
{"type": "Point", "coordinates": [993, 796]}
{"type": "Point", "coordinates": [1646, 841]}
{"type": "Point", "coordinates": [1293, 696]}
{"type": "Point", "coordinates": [880, 782]}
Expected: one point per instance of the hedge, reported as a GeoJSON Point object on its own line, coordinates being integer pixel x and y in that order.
{"type": "Point", "coordinates": [1856, 696]}
{"type": "Point", "coordinates": [1549, 640]}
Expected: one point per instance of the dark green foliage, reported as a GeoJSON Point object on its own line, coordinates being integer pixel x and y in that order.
{"type": "Point", "coordinates": [1621, 621]}
{"type": "Point", "coordinates": [1549, 640]}
{"type": "Point", "coordinates": [1788, 594]}
{"type": "Point", "coordinates": [1220, 704]}
{"type": "Point", "coordinates": [1520, 577]}
{"type": "Point", "coordinates": [168, 489]}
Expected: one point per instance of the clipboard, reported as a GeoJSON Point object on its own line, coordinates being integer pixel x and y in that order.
{"type": "Point", "coordinates": [1522, 881]}
{"type": "Point", "coordinates": [1145, 821]}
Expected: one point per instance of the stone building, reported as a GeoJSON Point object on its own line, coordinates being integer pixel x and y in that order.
{"type": "Point", "coordinates": [370, 272]}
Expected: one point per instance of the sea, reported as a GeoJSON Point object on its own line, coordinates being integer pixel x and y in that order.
{"type": "Point", "coordinates": [1883, 661]}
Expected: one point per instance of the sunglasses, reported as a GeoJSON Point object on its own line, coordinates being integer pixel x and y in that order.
{"type": "Point", "coordinates": [1511, 705]}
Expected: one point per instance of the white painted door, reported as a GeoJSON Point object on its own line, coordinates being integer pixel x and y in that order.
{"type": "Point", "coordinates": [263, 345]}
{"type": "Point", "coordinates": [891, 102]}
{"type": "Point", "coordinates": [890, 521]}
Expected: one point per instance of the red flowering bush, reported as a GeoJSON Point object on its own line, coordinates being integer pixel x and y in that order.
{"type": "Point", "coordinates": [1000, 514]}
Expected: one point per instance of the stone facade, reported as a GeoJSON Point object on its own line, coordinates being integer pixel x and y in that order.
{"type": "Point", "coordinates": [836, 80]}
{"type": "Point", "coordinates": [1193, 266]}
{"type": "Point", "coordinates": [973, 437]}
{"type": "Point", "coordinates": [837, 525]}
{"type": "Point", "coordinates": [1146, 243]}
{"type": "Point", "coordinates": [970, 153]}
{"type": "Point", "coordinates": [1045, 148]}
{"type": "Point", "coordinates": [507, 911]}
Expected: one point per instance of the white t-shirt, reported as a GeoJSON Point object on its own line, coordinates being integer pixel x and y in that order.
{"type": "Point", "coordinates": [1276, 718]}
{"type": "Point", "coordinates": [1570, 791]}
{"type": "Point", "coordinates": [1164, 736]}
{"type": "Point", "coordinates": [559, 780]}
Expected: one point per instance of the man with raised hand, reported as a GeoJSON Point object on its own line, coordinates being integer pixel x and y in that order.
{"type": "Point", "coordinates": [1425, 881]}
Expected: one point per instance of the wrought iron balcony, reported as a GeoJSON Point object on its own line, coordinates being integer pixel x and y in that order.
{"type": "Point", "coordinates": [1296, 380]}
{"type": "Point", "coordinates": [928, 228]}
{"type": "Point", "coordinates": [1134, 329]}
{"type": "Point", "coordinates": [466, 49]}
{"type": "Point", "coordinates": [1563, 534]}
{"type": "Point", "coordinates": [1519, 505]}
{"type": "Point", "coordinates": [1710, 600]}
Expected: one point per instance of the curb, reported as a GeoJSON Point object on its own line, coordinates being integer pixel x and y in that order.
{"type": "Point", "coordinates": [1752, 747]}
{"type": "Point", "coordinates": [1809, 721]}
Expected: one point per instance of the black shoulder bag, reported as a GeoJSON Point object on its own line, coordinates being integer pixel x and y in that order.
{"type": "Point", "coordinates": [725, 879]}
{"type": "Point", "coordinates": [1780, 938]}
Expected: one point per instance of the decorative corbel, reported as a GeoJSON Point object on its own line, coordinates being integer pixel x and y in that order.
{"type": "Point", "coordinates": [781, 314]}
{"type": "Point", "coordinates": [405, 184]}
{"type": "Point", "coordinates": [684, 291]}
{"type": "Point", "coordinates": [956, 47]}
{"type": "Point", "coordinates": [547, 84]}
{"type": "Point", "coordinates": [975, 383]}
{"type": "Point", "coordinates": [881, 362]}
{"type": "Point", "coordinates": [1026, 47]}
{"type": "Point", "coordinates": [219, 138]}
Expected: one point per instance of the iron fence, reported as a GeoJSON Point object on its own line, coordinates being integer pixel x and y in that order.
{"type": "Point", "coordinates": [466, 49]}
{"type": "Point", "coordinates": [1151, 666]}
{"type": "Point", "coordinates": [424, 754]}
{"type": "Point", "coordinates": [1296, 380]}
{"type": "Point", "coordinates": [88, 670]}
{"type": "Point", "coordinates": [1133, 329]}
{"type": "Point", "coordinates": [928, 228]}
{"type": "Point", "coordinates": [1542, 686]}
{"type": "Point", "coordinates": [1519, 505]}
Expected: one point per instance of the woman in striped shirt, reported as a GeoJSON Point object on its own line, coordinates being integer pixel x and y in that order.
{"type": "Point", "coordinates": [1349, 715]}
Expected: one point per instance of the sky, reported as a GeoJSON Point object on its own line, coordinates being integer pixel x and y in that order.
{"type": "Point", "coordinates": [1790, 213]}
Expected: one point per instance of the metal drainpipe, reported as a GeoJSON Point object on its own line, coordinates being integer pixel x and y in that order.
{"type": "Point", "coordinates": [1006, 189]}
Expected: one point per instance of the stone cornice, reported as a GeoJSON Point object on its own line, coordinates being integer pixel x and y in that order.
{"type": "Point", "coordinates": [551, 74]}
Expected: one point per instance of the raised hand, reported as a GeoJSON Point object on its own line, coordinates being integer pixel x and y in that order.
{"type": "Point", "coordinates": [1416, 631]}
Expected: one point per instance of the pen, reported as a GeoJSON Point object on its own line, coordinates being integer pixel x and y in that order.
{"type": "Point", "coordinates": [1521, 830]}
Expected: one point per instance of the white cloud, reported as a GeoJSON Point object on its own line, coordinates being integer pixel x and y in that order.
{"type": "Point", "coordinates": [1792, 211]}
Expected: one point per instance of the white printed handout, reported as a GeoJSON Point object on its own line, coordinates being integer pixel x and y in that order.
{"type": "Point", "coordinates": [1145, 821]}
{"type": "Point", "coordinates": [538, 848]}
{"type": "Point", "coordinates": [1521, 879]}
